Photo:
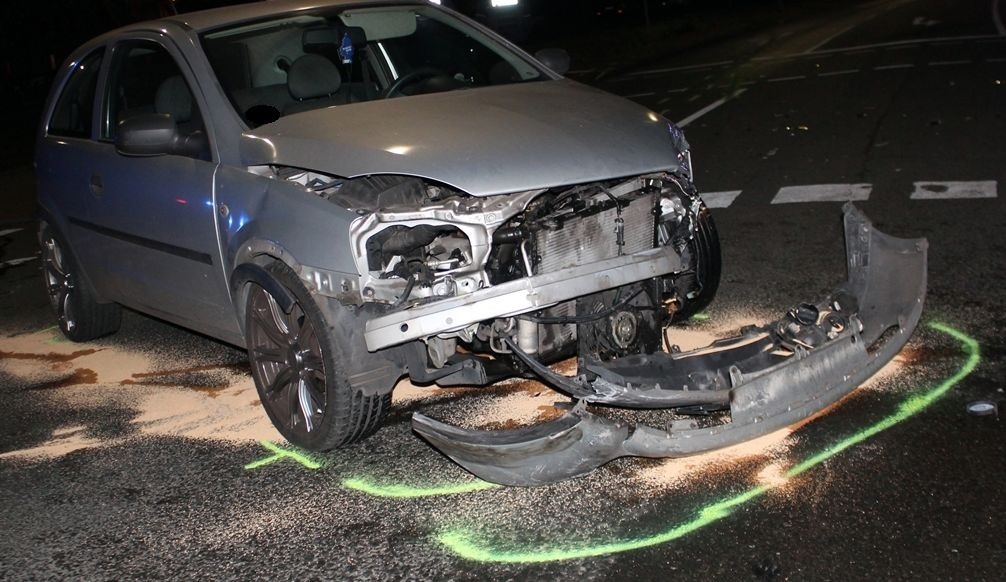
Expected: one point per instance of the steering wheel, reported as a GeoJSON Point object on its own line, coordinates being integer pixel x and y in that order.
{"type": "Point", "coordinates": [411, 78]}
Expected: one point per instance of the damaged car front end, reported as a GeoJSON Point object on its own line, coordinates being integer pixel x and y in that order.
{"type": "Point", "coordinates": [474, 290]}
{"type": "Point", "coordinates": [764, 378]}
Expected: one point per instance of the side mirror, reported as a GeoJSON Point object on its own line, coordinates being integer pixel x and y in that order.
{"type": "Point", "coordinates": [147, 134]}
{"type": "Point", "coordinates": [556, 59]}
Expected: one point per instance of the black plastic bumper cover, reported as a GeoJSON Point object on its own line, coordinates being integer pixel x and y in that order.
{"type": "Point", "coordinates": [862, 326]}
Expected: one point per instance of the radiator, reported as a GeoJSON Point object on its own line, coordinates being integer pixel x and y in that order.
{"type": "Point", "coordinates": [593, 238]}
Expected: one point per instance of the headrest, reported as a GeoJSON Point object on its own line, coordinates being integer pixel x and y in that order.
{"type": "Point", "coordinates": [313, 76]}
{"type": "Point", "coordinates": [173, 97]}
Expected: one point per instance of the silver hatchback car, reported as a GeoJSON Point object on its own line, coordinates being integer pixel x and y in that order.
{"type": "Point", "coordinates": [359, 191]}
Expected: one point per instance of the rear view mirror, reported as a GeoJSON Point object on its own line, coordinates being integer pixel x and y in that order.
{"type": "Point", "coordinates": [556, 59]}
{"type": "Point", "coordinates": [147, 134]}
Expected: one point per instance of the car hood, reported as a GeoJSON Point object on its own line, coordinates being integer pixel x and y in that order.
{"type": "Point", "coordinates": [485, 141]}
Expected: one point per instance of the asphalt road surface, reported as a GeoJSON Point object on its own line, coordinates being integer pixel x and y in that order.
{"type": "Point", "coordinates": [139, 456]}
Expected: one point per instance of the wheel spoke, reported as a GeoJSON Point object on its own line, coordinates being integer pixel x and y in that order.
{"type": "Point", "coordinates": [309, 337]}
{"type": "Point", "coordinates": [283, 380]}
{"type": "Point", "coordinates": [57, 298]}
{"type": "Point", "coordinates": [296, 321]}
{"type": "Point", "coordinates": [54, 257]}
{"type": "Point", "coordinates": [67, 314]}
{"type": "Point", "coordinates": [278, 317]}
{"type": "Point", "coordinates": [277, 396]}
{"type": "Point", "coordinates": [53, 270]}
{"type": "Point", "coordinates": [312, 362]}
{"type": "Point", "coordinates": [307, 404]}
{"type": "Point", "coordinates": [316, 386]}
{"type": "Point", "coordinates": [57, 256]}
{"type": "Point", "coordinates": [293, 404]}
{"type": "Point", "coordinates": [269, 354]}
{"type": "Point", "coordinates": [267, 325]}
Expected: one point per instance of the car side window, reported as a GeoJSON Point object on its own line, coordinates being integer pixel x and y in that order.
{"type": "Point", "coordinates": [72, 114]}
{"type": "Point", "coordinates": [145, 79]}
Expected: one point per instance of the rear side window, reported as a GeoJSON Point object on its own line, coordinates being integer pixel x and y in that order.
{"type": "Point", "coordinates": [72, 115]}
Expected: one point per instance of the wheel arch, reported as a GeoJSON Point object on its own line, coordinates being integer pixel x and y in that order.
{"type": "Point", "coordinates": [250, 267]}
{"type": "Point", "coordinates": [251, 262]}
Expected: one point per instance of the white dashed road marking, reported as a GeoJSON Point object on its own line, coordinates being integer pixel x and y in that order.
{"type": "Point", "coordinates": [837, 73]}
{"type": "Point", "coordinates": [16, 262]}
{"type": "Point", "coordinates": [681, 68]}
{"type": "Point", "coordinates": [860, 192]}
{"type": "Point", "coordinates": [823, 193]}
{"type": "Point", "coordinates": [720, 199]}
{"type": "Point", "coordinates": [708, 108]}
{"type": "Point", "coordinates": [895, 66]}
{"type": "Point", "coordinates": [944, 190]}
{"type": "Point", "coordinates": [10, 231]}
{"type": "Point", "coordinates": [850, 51]}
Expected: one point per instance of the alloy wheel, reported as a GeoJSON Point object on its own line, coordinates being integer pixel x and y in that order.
{"type": "Point", "coordinates": [59, 283]}
{"type": "Point", "coordinates": [287, 359]}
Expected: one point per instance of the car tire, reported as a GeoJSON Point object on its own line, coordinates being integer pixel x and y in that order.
{"type": "Point", "coordinates": [80, 316]}
{"type": "Point", "coordinates": [297, 363]}
{"type": "Point", "coordinates": [705, 247]}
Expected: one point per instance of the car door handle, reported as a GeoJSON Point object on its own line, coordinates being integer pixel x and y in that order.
{"type": "Point", "coordinates": [97, 186]}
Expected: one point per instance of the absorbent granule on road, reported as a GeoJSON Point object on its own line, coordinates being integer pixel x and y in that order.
{"type": "Point", "coordinates": [674, 473]}
{"type": "Point", "coordinates": [209, 401]}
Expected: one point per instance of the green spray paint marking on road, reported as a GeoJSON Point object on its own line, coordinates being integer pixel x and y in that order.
{"type": "Point", "coordinates": [467, 546]}
{"type": "Point", "coordinates": [910, 407]}
{"type": "Point", "coordinates": [280, 454]}
{"type": "Point", "coordinates": [409, 491]}
{"type": "Point", "coordinates": [703, 316]}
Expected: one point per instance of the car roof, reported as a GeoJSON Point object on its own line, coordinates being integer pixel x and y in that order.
{"type": "Point", "coordinates": [208, 19]}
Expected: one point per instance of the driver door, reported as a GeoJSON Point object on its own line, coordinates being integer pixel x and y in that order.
{"type": "Point", "coordinates": [153, 216]}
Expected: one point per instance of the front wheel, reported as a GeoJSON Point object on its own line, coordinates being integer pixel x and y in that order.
{"type": "Point", "coordinates": [297, 364]}
{"type": "Point", "coordinates": [78, 313]}
{"type": "Point", "coordinates": [700, 288]}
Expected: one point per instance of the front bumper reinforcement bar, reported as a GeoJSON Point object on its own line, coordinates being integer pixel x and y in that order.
{"type": "Point", "coordinates": [769, 377]}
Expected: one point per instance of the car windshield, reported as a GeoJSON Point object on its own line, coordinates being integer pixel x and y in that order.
{"type": "Point", "coordinates": [302, 61]}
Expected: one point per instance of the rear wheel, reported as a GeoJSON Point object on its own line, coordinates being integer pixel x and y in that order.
{"type": "Point", "coordinates": [80, 316]}
{"type": "Point", "coordinates": [297, 364]}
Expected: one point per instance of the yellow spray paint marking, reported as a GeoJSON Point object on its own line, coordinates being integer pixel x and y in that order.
{"type": "Point", "coordinates": [401, 491]}
{"type": "Point", "coordinates": [279, 454]}
{"type": "Point", "coordinates": [468, 545]}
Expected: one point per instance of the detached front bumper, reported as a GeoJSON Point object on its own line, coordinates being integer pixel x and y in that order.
{"type": "Point", "coordinates": [769, 376]}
